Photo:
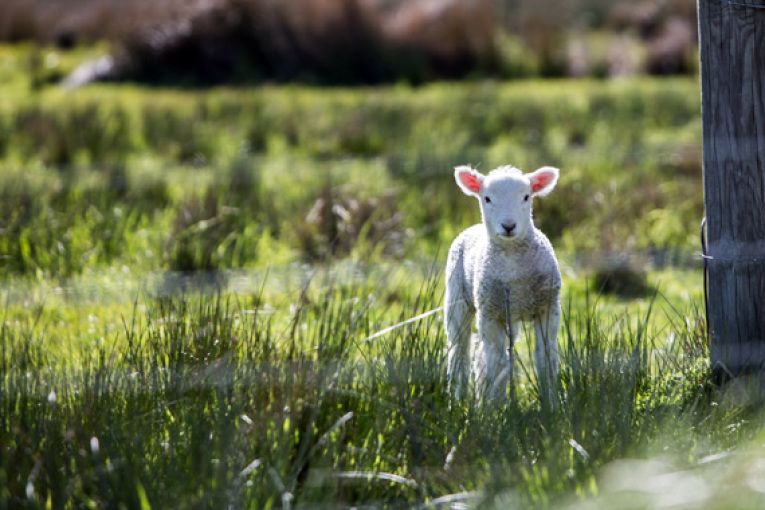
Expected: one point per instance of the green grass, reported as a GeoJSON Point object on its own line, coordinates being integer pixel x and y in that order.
{"type": "Point", "coordinates": [190, 280]}
{"type": "Point", "coordinates": [212, 399]}
{"type": "Point", "coordinates": [131, 161]}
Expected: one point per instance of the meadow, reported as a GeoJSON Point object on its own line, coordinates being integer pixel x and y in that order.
{"type": "Point", "coordinates": [195, 283]}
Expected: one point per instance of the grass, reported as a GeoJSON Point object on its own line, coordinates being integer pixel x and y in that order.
{"type": "Point", "coordinates": [628, 152]}
{"type": "Point", "coordinates": [212, 399]}
{"type": "Point", "coordinates": [193, 280]}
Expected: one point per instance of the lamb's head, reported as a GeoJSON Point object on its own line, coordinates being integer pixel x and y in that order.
{"type": "Point", "coordinates": [505, 195]}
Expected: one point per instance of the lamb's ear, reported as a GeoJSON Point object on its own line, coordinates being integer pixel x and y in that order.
{"type": "Point", "coordinates": [469, 180]}
{"type": "Point", "coordinates": [543, 180]}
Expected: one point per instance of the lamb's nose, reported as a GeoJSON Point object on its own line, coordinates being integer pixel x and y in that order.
{"type": "Point", "coordinates": [509, 228]}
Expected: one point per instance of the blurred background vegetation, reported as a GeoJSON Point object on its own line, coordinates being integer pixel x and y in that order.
{"type": "Point", "coordinates": [193, 42]}
{"type": "Point", "coordinates": [167, 172]}
{"type": "Point", "coordinates": [228, 178]}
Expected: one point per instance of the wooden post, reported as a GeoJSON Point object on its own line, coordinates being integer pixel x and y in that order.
{"type": "Point", "coordinates": [732, 53]}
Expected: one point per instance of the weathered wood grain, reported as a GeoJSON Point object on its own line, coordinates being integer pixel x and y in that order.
{"type": "Point", "coordinates": [732, 53]}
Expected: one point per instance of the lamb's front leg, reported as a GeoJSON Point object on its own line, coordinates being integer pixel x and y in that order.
{"type": "Point", "coordinates": [491, 364]}
{"type": "Point", "coordinates": [459, 316]}
{"type": "Point", "coordinates": [546, 326]}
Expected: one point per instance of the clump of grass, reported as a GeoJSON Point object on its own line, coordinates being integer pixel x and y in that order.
{"type": "Point", "coordinates": [621, 276]}
{"type": "Point", "coordinates": [48, 227]}
{"type": "Point", "coordinates": [83, 133]}
{"type": "Point", "coordinates": [219, 229]}
{"type": "Point", "coordinates": [202, 233]}
{"type": "Point", "coordinates": [337, 226]}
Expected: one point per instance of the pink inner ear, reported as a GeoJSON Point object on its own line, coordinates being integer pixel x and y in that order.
{"type": "Point", "coordinates": [541, 181]}
{"type": "Point", "coordinates": [471, 182]}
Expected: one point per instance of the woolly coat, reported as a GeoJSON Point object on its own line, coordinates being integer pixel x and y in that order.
{"type": "Point", "coordinates": [485, 274]}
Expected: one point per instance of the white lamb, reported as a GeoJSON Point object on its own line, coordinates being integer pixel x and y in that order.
{"type": "Point", "coordinates": [503, 271]}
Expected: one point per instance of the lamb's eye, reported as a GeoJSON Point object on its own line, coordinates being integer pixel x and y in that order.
{"type": "Point", "coordinates": [526, 198]}
{"type": "Point", "coordinates": [487, 199]}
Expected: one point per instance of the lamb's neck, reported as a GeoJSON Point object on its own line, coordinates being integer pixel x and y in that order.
{"type": "Point", "coordinates": [518, 248]}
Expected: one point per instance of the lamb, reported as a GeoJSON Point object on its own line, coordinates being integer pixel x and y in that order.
{"type": "Point", "coordinates": [501, 272]}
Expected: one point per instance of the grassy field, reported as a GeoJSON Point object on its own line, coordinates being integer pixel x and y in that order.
{"type": "Point", "coordinates": [193, 281]}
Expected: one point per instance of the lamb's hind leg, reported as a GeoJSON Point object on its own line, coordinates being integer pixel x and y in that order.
{"type": "Point", "coordinates": [459, 316]}
{"type": "Point", "coordinates": [546, 326]}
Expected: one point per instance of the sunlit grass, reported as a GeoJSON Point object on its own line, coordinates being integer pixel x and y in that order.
{"type": "Point", "coordinates": [313, 411]}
